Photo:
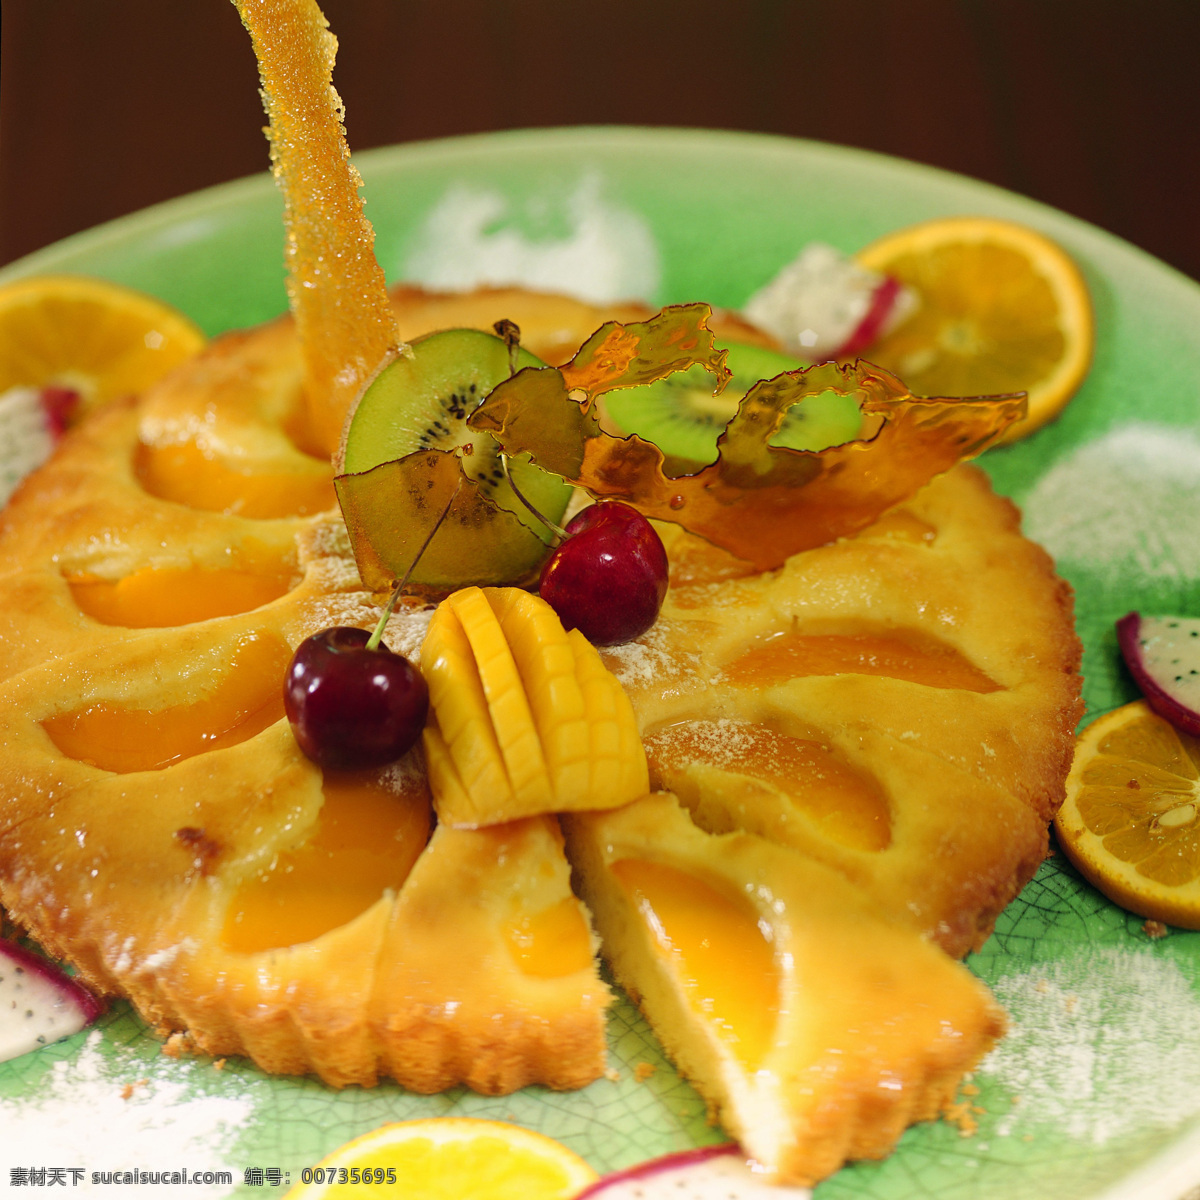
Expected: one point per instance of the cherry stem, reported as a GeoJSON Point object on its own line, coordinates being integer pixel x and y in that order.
{"type": "Point", "coordinates": [377, 637]}
{"type": "Point", "coordinates": [558, 530]}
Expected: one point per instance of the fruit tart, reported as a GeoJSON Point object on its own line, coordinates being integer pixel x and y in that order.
{"type": "Point", "coordinates": [811, 784]}
{"type": "Point", "coordinates": [884, 722]}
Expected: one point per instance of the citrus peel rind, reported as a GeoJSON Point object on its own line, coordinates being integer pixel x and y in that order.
{"type": "Point", "coordinates": [336, 288]}
{"type": "Point", "coordinates": [92, 336]}
{"type": "Point", "coordinates": [762, 503]}
{"type": "Point", "coordinates": [1131, 819]}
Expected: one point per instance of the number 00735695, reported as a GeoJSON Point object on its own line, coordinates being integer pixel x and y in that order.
{"type": "Point", "coordinates": [366, 1175]}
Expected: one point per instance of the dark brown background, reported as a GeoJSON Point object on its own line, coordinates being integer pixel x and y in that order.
{"type": "Point", "coordinates": [1089, 105]}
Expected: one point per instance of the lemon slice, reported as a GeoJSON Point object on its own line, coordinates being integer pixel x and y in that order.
{"type": "Point", "coordinates": [1131, 819]}
{"type": "Point", "coordinates": [98, 338]}
{"type": "Point", "coordinates": [449, 1158]}
{"type": "Point", "coordinates": [1003, 309]}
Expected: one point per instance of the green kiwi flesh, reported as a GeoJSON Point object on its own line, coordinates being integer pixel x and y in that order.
{"type": "Point", "coordinates": [420, 401]}
{"type": "Point", "coordinates": [683, 418]}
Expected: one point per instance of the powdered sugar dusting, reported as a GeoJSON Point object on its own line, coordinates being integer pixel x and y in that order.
{"type": "Point", "coordinates": [582, 244]}
{"type": "Point", "coordinates": [1102, 1044]}
{"type": "Point", "coordinates": [723, 743]}
{"type": "Point", "coordinates": [327, 557]}
{"type": "Point", "coordinates": [648, 661]}
{"type": "Point", "coordinates": [407, 776]}
{"type": "Point", "coordinates": [339, 596]}
{"type": "Point", "coordinates": [341, 608]}
{"type": "Point", "coordinates": [1125, 504]}
{"type": "Point", "coordinates": [405, 628]}
{"type": "Point", "coordinates": [633, 663]}
{"type": "Point", "coordinates": [335, 574]}
{"type": "Point", "coordinates": [112, 1111]}
{"type": "Point", "coordinates": [327, 537]}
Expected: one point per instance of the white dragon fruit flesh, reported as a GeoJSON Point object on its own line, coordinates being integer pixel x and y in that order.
{"type": "Point", "coordinates": [38, 1003]}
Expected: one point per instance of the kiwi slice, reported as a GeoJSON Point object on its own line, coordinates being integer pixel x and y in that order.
{"type": "Point", "coordinates": [421, 401]}
{"type": "Point", "coordinates": [683, 418]}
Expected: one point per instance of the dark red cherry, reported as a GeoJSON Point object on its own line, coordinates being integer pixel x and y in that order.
{"type": "Point", "coordinates": [609, 578]}
{"type": "Point", "coordinates": [350, 706]}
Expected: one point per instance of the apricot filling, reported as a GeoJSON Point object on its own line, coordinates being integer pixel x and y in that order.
{"type": "Point", "coordinates": [718, 947]}
{"type": "Point", "coordinates": [154, 598]}
{"type": "Point", "coordinates": [552, 942]}
{"type": "Point", "coordinates": [185, 474]}
{"type": "Point", "coordinates": [367, 838]}
{"type": "Point", "coordinates": [849, 807]}
{"type": "Point", "coordinates": [246, 700]}
{"type": "Point", "coordinates": [904, 655]}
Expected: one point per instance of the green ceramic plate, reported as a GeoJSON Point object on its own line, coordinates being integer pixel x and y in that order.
{"type": "Point", "coordinates": [1096, 1092]}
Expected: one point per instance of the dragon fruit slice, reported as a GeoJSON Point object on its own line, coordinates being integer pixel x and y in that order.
{"type": "Point", "coordinates": [1163, 656]}
{"type": "Point", "coordinates": [824, 305]}
{"type": "Point", "coordinates": [31, 422]}
{"type": "Point", "coordinates": [38, 1003]}
{"type": "Point", "coordinates": [712, 1173]}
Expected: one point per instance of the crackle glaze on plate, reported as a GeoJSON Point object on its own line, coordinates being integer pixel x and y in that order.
{"type": "Point", "coordinates": [1096, 1092]}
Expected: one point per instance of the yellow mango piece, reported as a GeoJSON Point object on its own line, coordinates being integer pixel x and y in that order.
{"type": "Point", "coordinates": [604, 734]}
{"type": "Point", "coordinates": [444, 781]}
{"type": "Point", "coordinates": [507, 701]}
{"type": "Point", "coordinates": [457, 698]}
{"type": "Point", "coordinates": [546, 662]}
{"type": "Point", "coordinates": [524, 717]}
{"type": "Point", "coordinates": [619, 764]}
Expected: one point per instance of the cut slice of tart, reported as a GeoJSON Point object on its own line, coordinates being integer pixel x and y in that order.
{"type": "Point", "coordinates": [488, 973]}
{"type": "Point", "coordinates": [160, 829]}
{"type": "Point", "coordinates": [816, 1028]}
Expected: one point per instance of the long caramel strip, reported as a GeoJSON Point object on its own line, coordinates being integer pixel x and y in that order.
{"type": "Point", "coordinates": [336, 288]}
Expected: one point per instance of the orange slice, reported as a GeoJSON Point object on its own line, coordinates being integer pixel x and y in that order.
{"type": "Point", "coordinates": [1003, 309]}
{"type": "Point", "coordinates": [1131, 819]}
{"type": "Point", "coordinates": [442, 1157]}
{"type": "Point", "coordinates": [98, 338]}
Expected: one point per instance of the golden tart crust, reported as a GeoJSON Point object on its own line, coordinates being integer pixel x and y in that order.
{"type": "Point", "coordinates": [132, 873]}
